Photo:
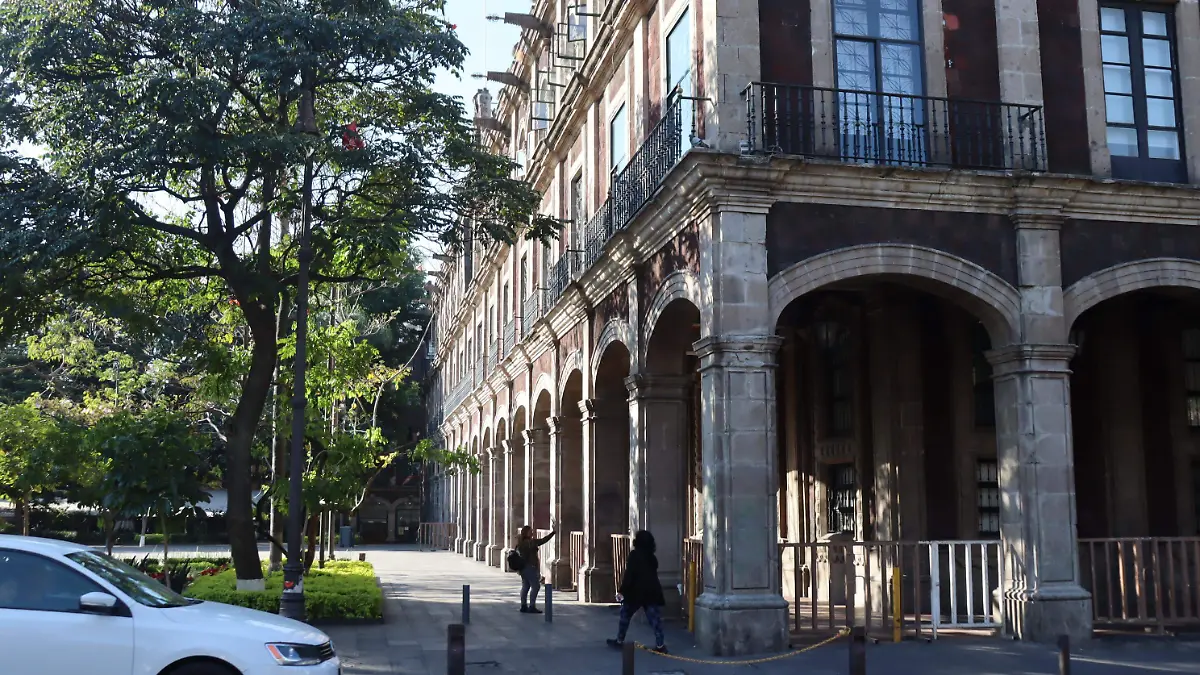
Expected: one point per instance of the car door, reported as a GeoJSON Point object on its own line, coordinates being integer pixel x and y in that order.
{"type": "Point", "coordinates": [44, 632]}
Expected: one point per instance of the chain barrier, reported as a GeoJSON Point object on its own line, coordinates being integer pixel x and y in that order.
{"type": "Point", "coordinates": [749, 662]}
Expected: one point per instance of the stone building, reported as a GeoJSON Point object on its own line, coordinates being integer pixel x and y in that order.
{"type": "Point", "coordinates": [841, 270]}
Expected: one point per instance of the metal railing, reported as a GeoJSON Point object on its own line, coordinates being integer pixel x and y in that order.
{"type": "Point", "coordinates": [622, 544]}
{"type": "Point", "coordinates": [436, 535]}
{"type": "Point", "coordinates": [510, 336]}
{"type": "Point", "coordinates": [531, 311]}
{"type": "Point", "coordinates": [894, 129]}
{"type": "Point", "coordinates": [493, 355]}
{"type": "Point", "coordinates": [963, 577]}
{"type": "Point", "coordinates": [576, 557]}
{"type": "Point", "coordinates": [560, 276]}
{"type": "Point", "coordinates": [1144, 581]}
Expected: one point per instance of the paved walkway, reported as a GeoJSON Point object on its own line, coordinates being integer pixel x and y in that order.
{"type": "Point", "coordinates": [424, 591]}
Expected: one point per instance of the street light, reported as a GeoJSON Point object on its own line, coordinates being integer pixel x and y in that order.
{"type": "Point", "coordinates": [291, 602]}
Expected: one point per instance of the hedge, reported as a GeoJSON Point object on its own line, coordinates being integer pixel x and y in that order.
{"type": "Point", "coordinates": [342, 590]}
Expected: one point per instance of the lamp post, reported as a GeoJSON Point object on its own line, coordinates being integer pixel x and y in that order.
{"type": "Point", "coordinates": [291, 602]}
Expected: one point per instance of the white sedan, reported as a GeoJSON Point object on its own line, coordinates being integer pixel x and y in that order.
{"type": "Point", "coordinates": [68, 610]}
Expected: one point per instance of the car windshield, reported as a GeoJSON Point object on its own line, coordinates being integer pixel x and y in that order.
{"type": "Point", "coordinates": [143, 589]}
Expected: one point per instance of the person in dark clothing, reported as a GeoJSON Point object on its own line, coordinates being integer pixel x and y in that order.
{"type": "Point", "coordinates": [531, 570]}
{"type": "Point", "coordinates": [640, 589]}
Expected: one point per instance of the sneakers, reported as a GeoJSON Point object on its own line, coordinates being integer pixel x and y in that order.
{"type": "Point", "coordinates": [661, 649]}
{"type": "Point", "coordinates": [524, 609]}
{"type": "Point", "coordinates": [616, 644]}
{"type": "Point", "coordinates": [534, 610]}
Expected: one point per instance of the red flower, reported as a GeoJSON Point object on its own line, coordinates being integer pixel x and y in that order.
{"type": "Point", "coordinates": [289, 585]}
{"type": "Point", "coordinates": [453, 26]}
{"type": "Point", "coordinates": [351, 139]}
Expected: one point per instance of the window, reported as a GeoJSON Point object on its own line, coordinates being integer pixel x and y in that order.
{"type": "Point", "coordinates": [843, 493]}
{"type": "Point", "coordinates": [577, 22]}
{"type": "Point", "coordinates": [981, 372]}
{"type": "Point", "coordinates": [618, 136]}
{"type": "Point", "coordinates": [36, 583]}
{"type": "Point", "coordinates": [1196, 491]}
{"type": "Point", "coordinates": [839, 378]}
{"type": "Point", "coordinates": [143, 589]}
{"type": "Point", "coordinates": [987, 486]}
{"type": "Point", "coordinates": [878, 51]}
{"type": "Point", "coordinates": [577, 214]}
{"type": "Point", "coordinates": [524, 277]}
{"type": "Point", "coordinates": [504, 301]}
{"type": "Point", "coordinates": [1191, 375]}
{"type": "Point", "coordinates": [679, 72]}
{"type": "Point", "coordinates": [1141, 108]}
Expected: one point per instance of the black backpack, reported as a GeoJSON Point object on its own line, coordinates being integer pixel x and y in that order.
{"type": "Point", "coordinates": [515, 561]}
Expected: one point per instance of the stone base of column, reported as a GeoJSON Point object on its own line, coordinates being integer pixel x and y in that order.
{"type": "Point", "coordinates": [560, 574]}
{"type": "Point", "coordinates": [481, 551]}
{"type": "Point", "coordinates": [458, 544]}
{"type": "Point", "coordinates": [598, 586]}
{"type": "Point", "coordinates": [1045, 614]}
{"type": "Point", "coordinates": [468, 548]}
{"type": "Point", "coordinates": [493, 556]}
{"type": "Point", "coordinates": [738, 625]}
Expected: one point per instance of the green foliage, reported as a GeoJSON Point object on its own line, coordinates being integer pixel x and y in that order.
{"type": "Point", "coordinates": [454, 460]}
{"type": "Point", "coordinates": [31, 444]}
{"type": "Point", "coordinates": [342, 590]}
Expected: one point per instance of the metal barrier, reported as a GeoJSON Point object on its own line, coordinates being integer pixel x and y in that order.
{"type": "Point", "coordinates": [622, 544]}
{"type": "Point", "coordinates": [964, 576]}
{"type": "Point", "coordinates": [1142, 581]}
{"type": "Point", "coordinates": [576, 557]}
{"type": "Point", "coordinates": [436, 535]}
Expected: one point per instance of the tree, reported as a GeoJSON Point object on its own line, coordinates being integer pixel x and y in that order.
{"type": "Point", "coordinates": [29, 439]}
{"type": "Point", "coordinates": [173, 129]}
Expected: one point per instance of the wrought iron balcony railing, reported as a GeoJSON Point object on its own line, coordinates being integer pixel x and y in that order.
{"type": "Point", "coordinates": [493, 355]}
{"type": "Point", "coordinates": [894, 129]}
{"type": "Point", "coordinates": [561, 275]}
{"type": "Point", "coordinates": [510, 336]}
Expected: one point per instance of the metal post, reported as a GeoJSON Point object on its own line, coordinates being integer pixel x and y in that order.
{"type": "Point", "coordinates": [897, 608]}
{"type": "Point", "coordinates": [466, 604]}
{"type": "Point", "coordinates": [628, 650]}
{"type": "Point", "coordinates": [858, 650]}
{"type": "Point", "coordinates": [549, 603]}
{"type": "Point", "coordinates": [456, 650]}
{"type": "Point", "coordinates": [1064, 655]}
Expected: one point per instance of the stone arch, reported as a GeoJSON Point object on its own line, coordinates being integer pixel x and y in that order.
{"type": "Point", "coordinates": [545, 384]}
{"type": "Point", "coordinates": [501, 424]}
{"type": "Point", "coordinates": [573, 362]}
{"type": "Point", "coordinates": [1126, 278]}
{"type": "Point", "coordinates": [994, 301]}
{"type": "Point", "coordinates": [680, 284]}
{"type": "Point", "coordinates": [616, 330]}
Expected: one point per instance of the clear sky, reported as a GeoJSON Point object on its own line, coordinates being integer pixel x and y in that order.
{"type": "Point", "coordinates": [490, 42]}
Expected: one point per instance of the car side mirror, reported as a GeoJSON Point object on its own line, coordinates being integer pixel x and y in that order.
{"type": "Point", "coordinates": [98, 603]}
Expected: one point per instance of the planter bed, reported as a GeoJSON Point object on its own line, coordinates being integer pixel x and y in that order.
{"type": "Point", "coordinates": [343, 592]}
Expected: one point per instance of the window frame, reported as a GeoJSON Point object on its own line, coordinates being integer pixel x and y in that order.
{"type": "Point", "coordinates": [980, 485]}
{"type": "Point", "coordinates": [622, 112]}
{"type": "Point", "coordinates": [1144, 167]}
{"type": "Point", "coordinates": [836, 492]}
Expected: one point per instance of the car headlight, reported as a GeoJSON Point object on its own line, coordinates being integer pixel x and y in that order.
{"type": "Point", "coordinates": [299, 655]}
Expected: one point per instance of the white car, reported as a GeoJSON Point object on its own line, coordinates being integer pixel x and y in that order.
{"type": "Point", "coordinates": [66, 609]}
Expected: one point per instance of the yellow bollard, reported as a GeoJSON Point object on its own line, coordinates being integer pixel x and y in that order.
{"type": "Point", "coordinates": [896, 608]}
{"type": "Point", "coordinates": [691, 595]}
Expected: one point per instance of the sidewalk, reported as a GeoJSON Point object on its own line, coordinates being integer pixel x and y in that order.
{"type": "Point", "coordinates": [423, 593]}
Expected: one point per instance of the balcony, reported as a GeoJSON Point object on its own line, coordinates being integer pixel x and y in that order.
{"type": "Point", "coordinates": [894, 129]}
{"type": "Point", "coordinates": [510, 337]}
{"type": "Point", "coordinates": [531, 311]}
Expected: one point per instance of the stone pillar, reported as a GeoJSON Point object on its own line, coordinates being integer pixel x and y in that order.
{"type": "Point", "coordinates": [1187, 36]}
{"type": "Point", "coordinates": [459, 503]}
{"type": "Point", "coordinates": [1019, 51]}
{"type": "Point", "coordinates": [537, 477]}
{"type": "Point", "coordinates": [741, 610]}
{"type": "Point", "coordinates": [566, 513]}
{"type": "Point", "coordinates": [728, 36]}
{"type": "Point", "coordinates": [514, 488]}
{"type": "Point", "coordinates": [482, 499]}
{"type": "Point", "coordinates": [496, 505]}
{"type": "Point", "coordinates": [658, 407]}
{"type": "Point", "coordinates": [605, 427]}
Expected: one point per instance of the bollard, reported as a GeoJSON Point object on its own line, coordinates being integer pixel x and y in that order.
{"type": "Point", "coordinates": [897, 612]}
{"type": "Point", "coordinates": [1064, 655]}
{"type": "Point", "coordinates": [362, 557]}
{"type": "Point", "coordinates": [466, 604]}
{"type": "Point", "coordinates": [628, 650]}
{"type": "Point", "coordinates": [549, 603]}
{"type": "Point", "coordinates": [858, 651]}
{"type": "Point", "coordinates": [456, 650]}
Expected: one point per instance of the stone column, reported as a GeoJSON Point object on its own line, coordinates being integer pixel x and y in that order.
{"type": "Point", "coordinates": [471, 481]}
{"type": "Point", "coordinates": [728, 36]}
{"type": "Point", "coordinates": [659, 434]}
{"type": "Point", "coordinates": [483, 535]}
{"type": "Point", "coordinates": [1019, 51]}
{"type": "Point", "coordinates": [496, 505]}
{"type": "Point", "coordinates": [741, 610]}
{"type": "Point", "coordinates": [514, 482]}
{"type": "Point", "coordinates": [605, 493]}
{"type": "Point", "coordinates": [459, 500]}
{"type": "Point", "coordinates": [1187, 35]}
{"type": "Point", "coordinates": [566, 513]}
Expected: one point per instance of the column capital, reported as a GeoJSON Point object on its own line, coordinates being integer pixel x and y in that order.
{"type": "Point", "coordinates": [506, 447]}
{"type": "Point", "coordinates": [738, 350]}
{"type": "Point", "coordinates": [1031, 358]}
{"type": "Point", "coordinates": [1037, 219]}
{"type": "Point", "coordinates": [560, 424]}
{"type": "Point", "coordinates": [593, 409]}
{"type": "Point", "coordinates": [533, 434]}
{"type": "Point", "coordinates": [658, 386]}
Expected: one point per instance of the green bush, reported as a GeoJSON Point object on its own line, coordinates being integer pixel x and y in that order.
{"type": "Point", "coordinates": [342, 590]}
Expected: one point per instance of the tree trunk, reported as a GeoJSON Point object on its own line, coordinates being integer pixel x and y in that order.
{"type": "Point", "coordinates": [109, 528]}
{"type": "Point", "coordinates": [321, 540]}
{"type": "Point", "coordinates": [243, 542]}
{"type": "Point", "coordinates": [162, 516]}
{"type": "Point", "coordinates": [311, 530]}
{"type": "Point", "coordinates": [279, 441]}
{"type": "Point", "coordinates": [26, 512]}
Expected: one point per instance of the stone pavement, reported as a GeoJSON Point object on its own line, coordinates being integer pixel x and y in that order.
{"type": "Point", "coordinates": [424, 590]}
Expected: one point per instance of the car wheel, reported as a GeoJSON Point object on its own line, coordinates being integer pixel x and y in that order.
{"type": "Point", "coordinates": [202, 668]}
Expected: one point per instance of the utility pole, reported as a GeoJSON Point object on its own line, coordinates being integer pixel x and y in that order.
{"type": "Point", "coordinates": [291, 602]}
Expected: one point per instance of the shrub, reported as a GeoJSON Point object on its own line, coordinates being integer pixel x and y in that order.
{"type": "Point", "coordinates": [342, 590]}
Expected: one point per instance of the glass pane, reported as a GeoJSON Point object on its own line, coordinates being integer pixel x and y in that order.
{"type": "Point", "coordinates": [1119, 109]}
{"type": "Point", "coordinates": [1122, 142]}
{"type": "Point", "coordinates": [1160, 112]}
{"type": "Point", "coordinates": [1193, 411]}
{"type": "Point", "coordinates": [1114, 48]}
{"type": "Point", "coordinates": [1154, 23]}
{"type": "Point", "coordinates": [1117, 80]}
{"type": "Point", "coordinates": [1156, 52]}
{"type": "Point", "coordinates": [1158, 82]}
{"type": "Point", "coordinates": [851, 21]}
{"type": "Point", "coordinates": [1112, 19]}
{"type": "Point", "coordinates": [901, 66]}
{"type": "Point", "coordinates": [1191, 343]}
{"type": "Point", "coordinates": [679, 55]}
{"type": "Point", "coordinates": [1191, 376]}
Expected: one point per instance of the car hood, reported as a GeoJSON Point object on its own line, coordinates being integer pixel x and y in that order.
{"type": "Point", "coordinates": [216, 617]}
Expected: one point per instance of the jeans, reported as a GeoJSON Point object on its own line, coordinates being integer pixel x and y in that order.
{"type": "Point", "coordinates": [530, 581]}
{"type": "Point", "coordinates": [653, 615]}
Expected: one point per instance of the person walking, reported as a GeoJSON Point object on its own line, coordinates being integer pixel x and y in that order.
{"type": "Point", "coordinates": [527, 547]}
{"type": "Point", "coordinates": [640, 589]}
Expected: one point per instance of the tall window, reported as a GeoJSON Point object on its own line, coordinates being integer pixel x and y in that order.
{"type": "Point", "coordinates": [1196, 490]}
{"type": "Point", "coordinates": [843, 493]}
{"type": "Point", "coordinates": [878, 52]}
{"type": "Point", "coordinates": [618, 136]}
{"type": "Point", "coordinates": [504, 301]}
{"type": "Point", "coordinates": [577, 21]}
{"type": "Point", "coordinates": [981, 372]}
{"type": "Point", "coordinates": [839, 378]}
{"type": "Point", "coordinates": [679, 71]}
{"type": "Point", "coordinates": [1137, 45]}
{"type": "Point", "coordinates": [524, 287]}
{"type": "Point", "coordinates": [1191, 374]}
{"type": "Point", "coordinates": [577, 214]}
{"type": "Point", "coordinates": [987, 487]}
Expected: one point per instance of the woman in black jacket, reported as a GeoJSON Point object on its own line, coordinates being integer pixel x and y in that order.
{"type": "Point", "coordinates": [640, 589]}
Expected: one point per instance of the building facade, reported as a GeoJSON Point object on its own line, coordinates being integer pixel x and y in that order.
{"type": "Point", "coordinates": [859, 271]}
